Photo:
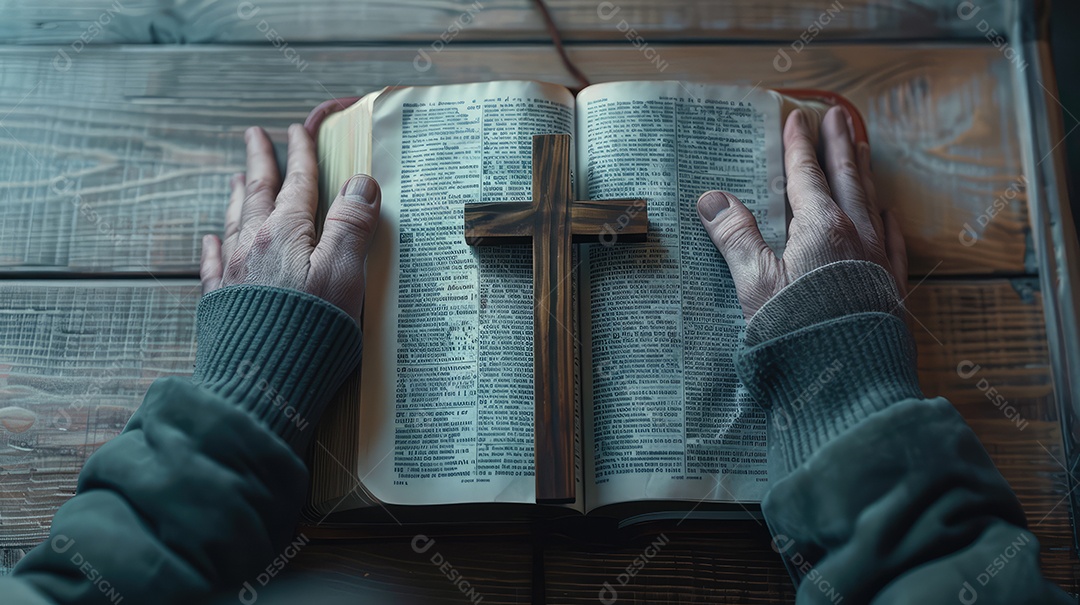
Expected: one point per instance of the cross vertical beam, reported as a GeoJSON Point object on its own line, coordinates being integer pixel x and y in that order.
{"type": "Point", "coordinates": [553, 319]}
{"type": "Point", "coordinates": [553, 222]}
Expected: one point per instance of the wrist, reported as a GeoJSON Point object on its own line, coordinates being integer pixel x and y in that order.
{"type": "Point", "coordinates": [830, 291]}
{"type": "Point", "coordinates": [817, 382]}
{"type": "Point", "coordinates": [278, 354]}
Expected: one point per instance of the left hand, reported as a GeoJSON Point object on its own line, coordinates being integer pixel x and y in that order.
{"type": "Point", "coordinates": [270, 236]}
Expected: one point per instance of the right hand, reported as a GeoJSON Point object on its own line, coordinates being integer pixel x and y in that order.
{"type": "Point", "coordinates": [270, 236]}
{"type": "Point", "coordinates": [834, 216]}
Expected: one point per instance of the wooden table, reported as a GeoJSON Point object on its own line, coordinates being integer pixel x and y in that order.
{"type": "Point", "coordinates": [116, 154]}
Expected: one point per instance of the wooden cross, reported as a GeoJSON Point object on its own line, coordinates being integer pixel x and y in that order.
{"type": "Point", "coordinates": [552, 222]}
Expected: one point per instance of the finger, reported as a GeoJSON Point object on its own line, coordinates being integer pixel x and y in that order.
{"type": "Point", "coordinates": [210, 266]}
{"type": "Point", "coordinates": [807, 188]}
{"type": "Point", "coordinates": [233, 215]}
{"type": "Point", "coordinates": [262, 183]}
{"type": "Point", "coordinates": [896, 251]}
{"type": "Point", "coordinates": [338, 259]}
{"type": "Point", "coordinates": [845, 181]}
{"type": "Point", "coordinates": [300, 191]}
{"type": "Point", "coordinates": [735, 233]}
{"type": "Point", "coordinates": [315, 119]}
{"type": "Point", "coordinates": [866, 173]}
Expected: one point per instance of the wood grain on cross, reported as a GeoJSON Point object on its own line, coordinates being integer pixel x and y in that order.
{"type": "Point", "coordinates": [553, 222]}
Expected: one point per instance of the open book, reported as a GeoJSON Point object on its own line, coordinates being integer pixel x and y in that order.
{"type": "Point", "coordinates": [445, 413]}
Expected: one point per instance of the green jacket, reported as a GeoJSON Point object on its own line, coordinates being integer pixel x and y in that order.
{"type": "Point", "coordinates": [878, 495]}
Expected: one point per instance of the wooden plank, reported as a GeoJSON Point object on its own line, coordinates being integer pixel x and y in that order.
{"type": "Point", "coordinates": [60, 341]}
{"type": "Point", "coordinates": [414, 569]}
{"type": "Point", "coordinates": [121, 163]}
{"type": "Point", "coordinates": [76, 358]}
{"type": "Point", "coordinates": [68, 22]}
{"type": "Point", "coordinates": [689, 562]}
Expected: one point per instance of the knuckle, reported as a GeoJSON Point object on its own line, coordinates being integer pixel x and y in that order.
{"type": "Point", "coordinates": [229, 243]}
{"type": "Point", "coordinates": [262, 240]}
{"type": "Point", "coordinates": [840, 226]}
{"type": "Point", "coordinates": [735, 225]}
{"type": "Point", "coordinates": [802, 161]}
{"type": "Point", "coordinates": [292, 215]}
{"type": "Point", "coordinates": [236, 259]}
{"type": "Point", "coordinates": [301, 180]}
{"type": "Point", "coordinates": [870, 187]}
{"type": "Point", "coordinates": [299, 231]}
{"type": "Point", "coordinates": [839, 246]}
{"type": "Point", "coordinates": [872, 234]}
{"type": "Point", "coordinates": [848, 170]}
{"type": "Point", "coordinates": [235, 271]}
{"type": "Point", "coordinates": [283, 229]}
{"type": "Point", "coordinates": [806, 176]}
{"type": "Point", "coordinates": [740, 240]}
{"type": "Point", "coordinates": [357, 220]}
{"type": "Point", "coordinates": [303, 177]}
{"type": "Point", "coordinates": [257, 187]}
{"type": "Point", "coordinates": [801, 142]}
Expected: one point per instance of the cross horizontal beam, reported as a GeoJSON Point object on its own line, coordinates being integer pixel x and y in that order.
{"type": "Point", "coordinates": [605, 222]}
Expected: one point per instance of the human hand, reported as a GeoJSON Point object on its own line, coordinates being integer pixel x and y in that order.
{"type": "Point", "coordinates": [270, 235]}
{"type": "Point", "coordinates": [834, 216]}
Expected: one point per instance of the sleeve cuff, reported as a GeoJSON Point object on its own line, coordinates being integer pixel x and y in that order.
{"type": "Point", "coordinates": [818, 381]}
{"type": "Point", "coordinates": [278, 354]}
{"type": "Point", "coordinates": [867, 288]}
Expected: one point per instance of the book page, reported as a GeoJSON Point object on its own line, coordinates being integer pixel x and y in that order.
{"type": "Point", "coordinates": [669, 418]}
{"type": "Point", "coordinates": [447, 403]}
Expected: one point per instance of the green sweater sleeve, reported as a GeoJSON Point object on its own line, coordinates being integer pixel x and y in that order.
{"type": "Point", "coordinates": [203, 488]}
{"type": "Point", "coordinates": [877, 494]}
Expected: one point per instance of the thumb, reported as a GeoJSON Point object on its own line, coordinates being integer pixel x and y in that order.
{"type": "Point", "coordinates": [337, 263]}
{"type": "Point", "coordinates": [734, 231]}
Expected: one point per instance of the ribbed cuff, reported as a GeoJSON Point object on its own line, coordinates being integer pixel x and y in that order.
{"type": "Point", "coordinates": [278, 354]}
{"type": "Point", "coordinates": [817, 382]}
{"type": "Point", "coordinates": [813, 298]}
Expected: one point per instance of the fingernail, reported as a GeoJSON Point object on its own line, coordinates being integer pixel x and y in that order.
{"type": "Point", "coordinates": [361, 188]}
{"type": "Point", "coordinates": [711, 204]}
{"type": "Point", "coordinates": [842, 112]}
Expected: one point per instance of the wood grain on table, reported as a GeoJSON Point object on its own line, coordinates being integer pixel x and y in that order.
{"type": "Point", "coordinates": [64, 22]}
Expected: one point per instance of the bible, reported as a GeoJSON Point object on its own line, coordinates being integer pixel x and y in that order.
{"type": "Point", "coordinates": [437, 424]}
